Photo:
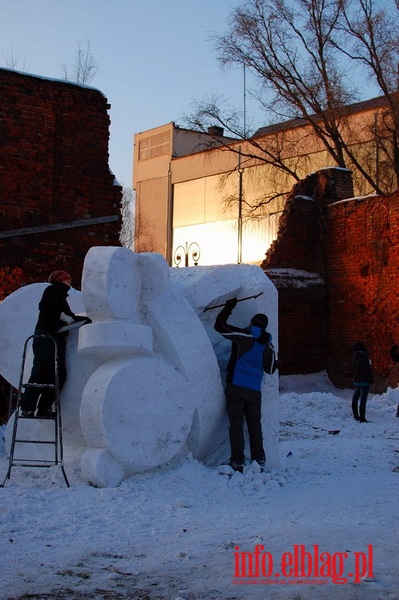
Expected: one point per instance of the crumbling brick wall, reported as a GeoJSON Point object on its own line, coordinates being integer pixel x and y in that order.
{"type": "Point", "coordinates": [57, 195]}
{"type": "Point", "coordinates": [363, 282]}
{"type": "Point", "coordinates": [335, 264]}
{"type": "Point", "coordinates": [296, 263]}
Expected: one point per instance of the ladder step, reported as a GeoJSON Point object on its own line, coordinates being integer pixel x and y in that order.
{"type": "Point", "coordinates": [51, 417]}
{"type": "Point", "coordinates": [47, 386]}
{"type": "Point", "coordinates": [36, 464]}
{"type": "Point", "coordinates": [36, 441]}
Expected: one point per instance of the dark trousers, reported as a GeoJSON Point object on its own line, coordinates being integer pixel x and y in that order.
{"type": "Point", "coordinates": [242, 403]}
{"type": "Point", "coordinates": [361, 392]}
{"type": "Point", "coordinates": [43, 371]}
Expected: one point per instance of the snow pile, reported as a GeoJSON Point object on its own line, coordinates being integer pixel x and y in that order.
{"type": "Point", "coordinates": [173, 532]}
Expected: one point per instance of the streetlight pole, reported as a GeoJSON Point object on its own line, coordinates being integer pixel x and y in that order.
{"type": "Point", "coordinates": [239, 223]}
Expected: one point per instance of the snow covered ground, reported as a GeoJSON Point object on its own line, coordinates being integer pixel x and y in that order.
{"type": "Point", "coordinates": [177, 531]}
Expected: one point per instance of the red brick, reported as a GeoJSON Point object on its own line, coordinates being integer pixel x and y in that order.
{"type": "Point", "coordinates": [53, 169]}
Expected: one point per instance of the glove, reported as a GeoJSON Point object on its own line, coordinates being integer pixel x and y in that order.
{"type": "Point", "coordinates": [82, 318]}
{"type": "Point", "coordinates": [231, 304]}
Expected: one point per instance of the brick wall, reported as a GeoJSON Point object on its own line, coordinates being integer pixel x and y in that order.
{"type": "Point", "coordinates": [363, 282]}
{"type": "Point", "coordinates": [54, 175]}
{"type": "Point", "coordinates": [335, 264]}
{"type": "Point", "coordinates": [302, 325]}
{"type": "Point", "coordinates": [296, 263]}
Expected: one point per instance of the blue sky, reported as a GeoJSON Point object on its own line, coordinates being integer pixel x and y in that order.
{"type": "Point", "coordinates": [155, 57]}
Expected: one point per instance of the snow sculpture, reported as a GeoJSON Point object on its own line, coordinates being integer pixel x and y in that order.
{"type": "Point", "coordinates": [144, 378]}
{"type": "Point", "coordinates": [136, 412]}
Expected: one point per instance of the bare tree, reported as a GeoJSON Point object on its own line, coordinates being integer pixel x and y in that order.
{"type": "Point", "coordinates": [135, 228]}
{"type": "Point", "coordinates": [15, 61]}
{"type": "Point", "coordinates": [143, 237]}
{"type": "Point", "coordinates": [293, 48]}
{"type": "Point", "coordinates": [208, 112]}
{"type": "Point", "coordinates": [127, 233]}
{"type": "Point", "coordinates": [373, 39]}
{"type": "Point", "coordinates": [85, 67]}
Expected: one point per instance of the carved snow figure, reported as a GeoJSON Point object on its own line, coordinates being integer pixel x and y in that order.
{"type": "Point", "coordinates": [144, 378]}
{"type": "Point", "coordinates": [137, 407]}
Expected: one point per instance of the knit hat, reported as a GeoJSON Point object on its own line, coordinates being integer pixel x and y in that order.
{"type": "Point", "coordinates": [260, 320]}
{"type": "Point", "coordinates": [59, 276]}
{"type": "Point", "coordinates": [359, 347]}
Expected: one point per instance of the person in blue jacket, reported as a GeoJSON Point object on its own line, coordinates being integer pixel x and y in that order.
{"type": "Point", "coordinates": [362, 380]}
{"type": "Point", "coordinates": [243, 383]}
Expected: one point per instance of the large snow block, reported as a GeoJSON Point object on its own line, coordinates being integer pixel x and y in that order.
{"type": "Point", "coordinates": [139, 410]}
{"type": "Point", "coordinates": [205, 287]}
{"type": "Point", "coordinates": [180, 336]}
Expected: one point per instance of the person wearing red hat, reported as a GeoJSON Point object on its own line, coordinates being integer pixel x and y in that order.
{"type": "Point", "coordinates": [54, 313]}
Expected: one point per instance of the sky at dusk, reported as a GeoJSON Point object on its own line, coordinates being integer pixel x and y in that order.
{"type": "Point", "coordinates": [155, 57]}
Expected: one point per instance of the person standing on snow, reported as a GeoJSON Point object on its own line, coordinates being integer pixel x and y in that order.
{"type": "Point", "coordinates": [394, 354]}
{"type": "Point", "coordinates": [54, 313]}
{"type": "Point", "coordinates": [362, 379]}
{"type": "Point", "coordinates": [243, 383]}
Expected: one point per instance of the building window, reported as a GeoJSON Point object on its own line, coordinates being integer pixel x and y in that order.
{"type": "Point", "coordinates": [153, 146]}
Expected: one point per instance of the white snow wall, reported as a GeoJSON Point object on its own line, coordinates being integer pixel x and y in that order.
{"type": "Point", "coordinates": [145, 378]}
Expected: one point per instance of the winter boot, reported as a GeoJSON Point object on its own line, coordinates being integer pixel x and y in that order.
{"type": "Point", "coordinates": [236, 466]}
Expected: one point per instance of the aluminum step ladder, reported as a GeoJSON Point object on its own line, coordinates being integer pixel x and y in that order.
{"type": "Point", "coordinates": [24, 427]}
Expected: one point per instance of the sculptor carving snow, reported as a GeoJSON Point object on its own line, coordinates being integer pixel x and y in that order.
{"type": "Point", "coordinates": [144, 378]}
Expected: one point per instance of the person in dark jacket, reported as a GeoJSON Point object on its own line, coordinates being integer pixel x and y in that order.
{"type": "Point", "coordinates": [243, 383]}
{"type": "Point", "coordinates": [394, 354]}
{"type": "Point", "coordinates": [54, 313]}
{"type": "Point", "coordinates": [362, 379]}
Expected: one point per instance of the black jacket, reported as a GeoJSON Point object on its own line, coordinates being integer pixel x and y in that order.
{"type": "Point", "coordinates": [362, 369]}
{"type": "Point", "coordinates": [51, 306]}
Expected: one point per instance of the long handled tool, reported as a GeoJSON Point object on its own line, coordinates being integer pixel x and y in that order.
{"type": "Point", "coordinates": [239, 300]}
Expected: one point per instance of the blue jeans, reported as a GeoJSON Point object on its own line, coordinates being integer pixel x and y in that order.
{"type": "Point", "coordinates": [361, 392]}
